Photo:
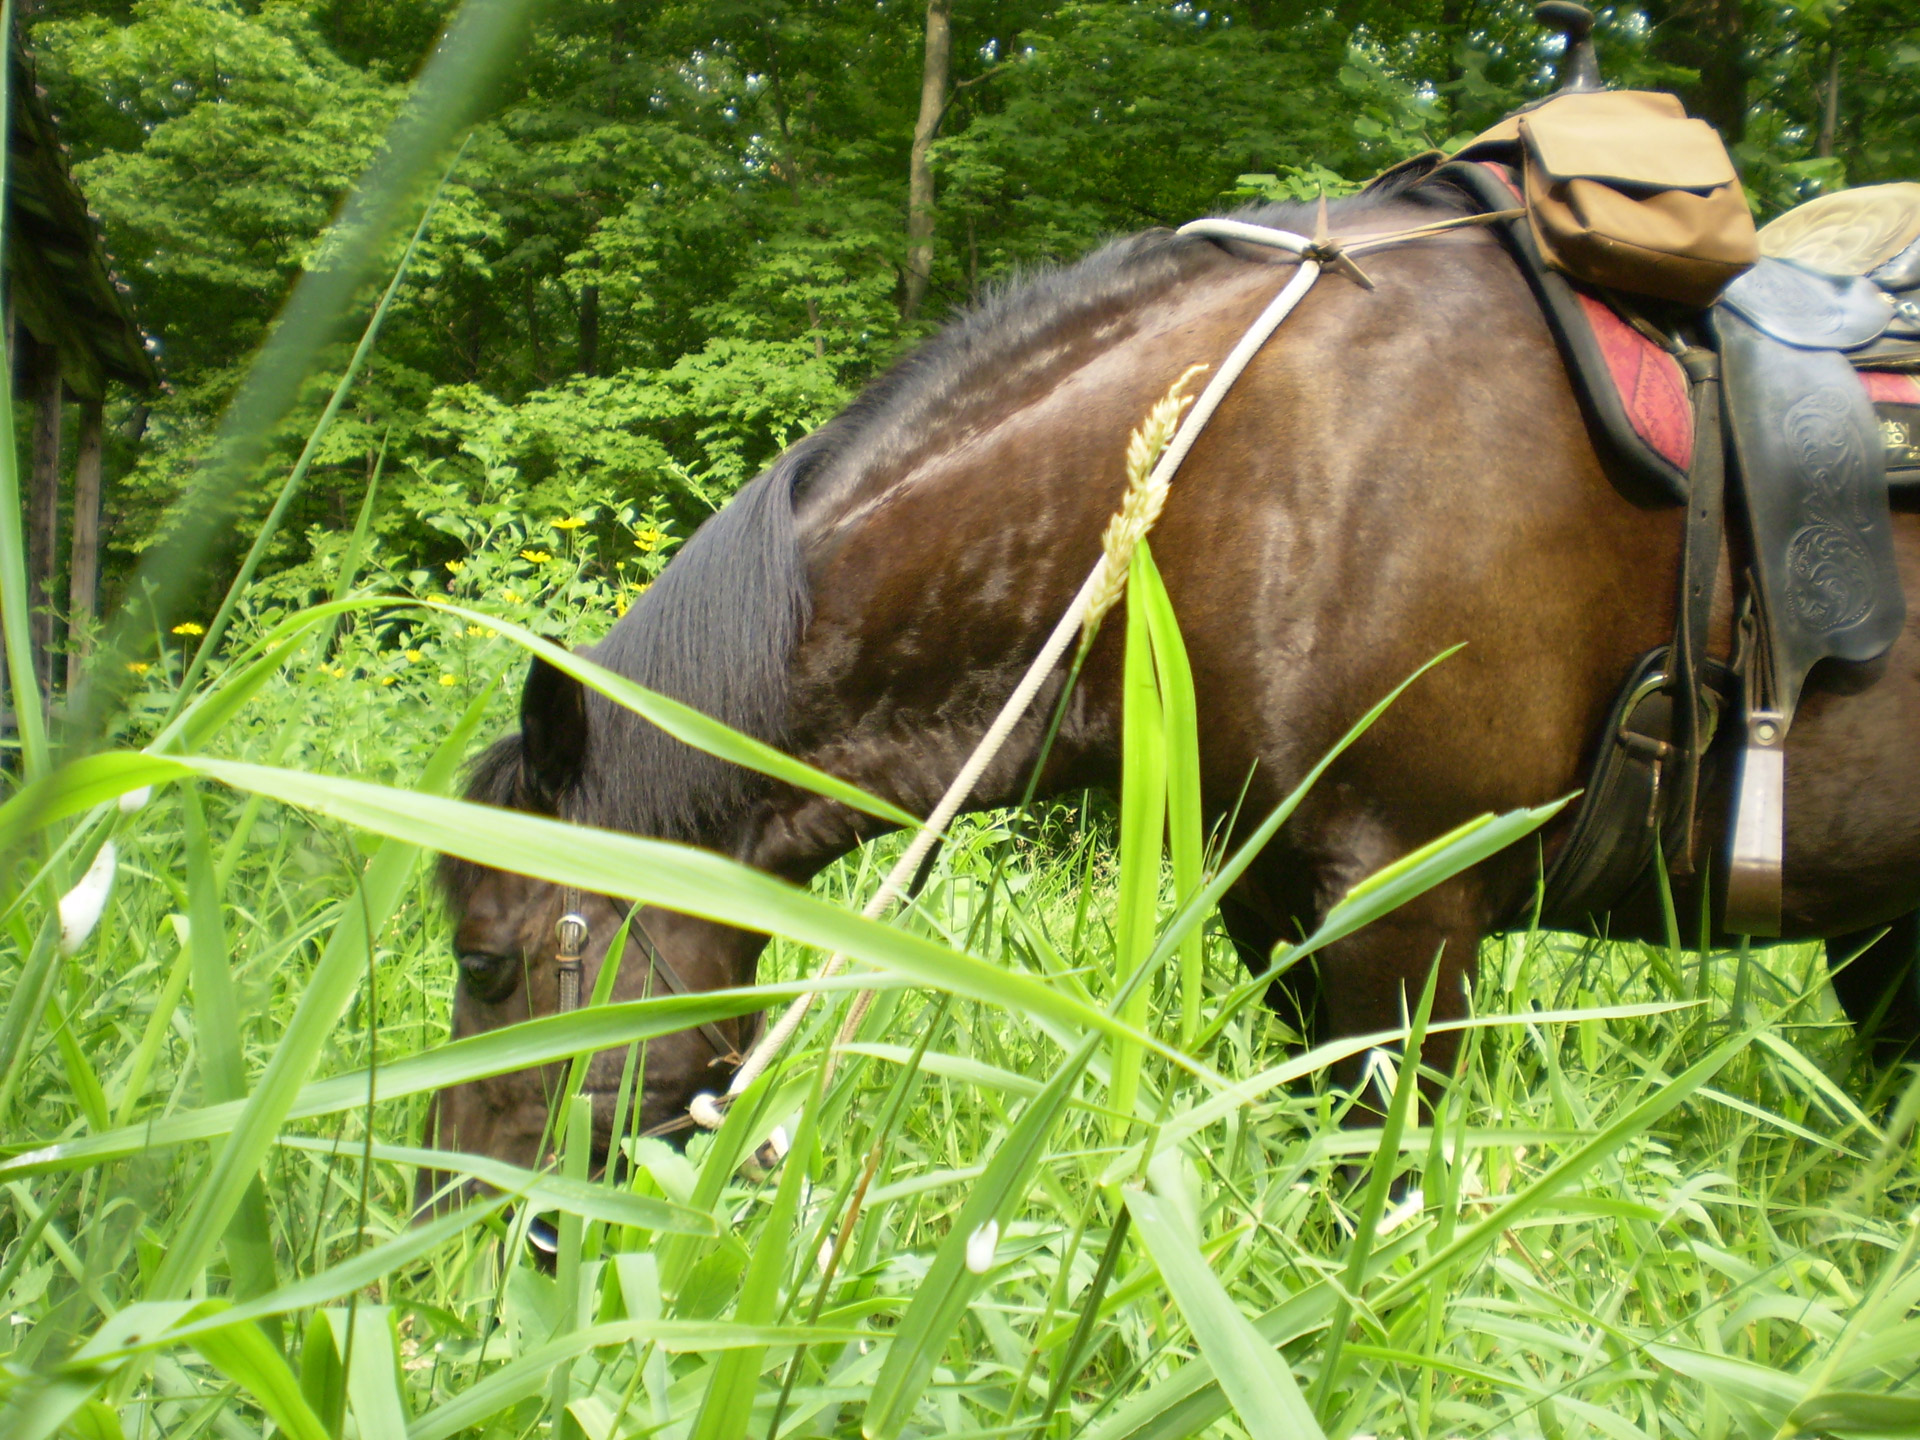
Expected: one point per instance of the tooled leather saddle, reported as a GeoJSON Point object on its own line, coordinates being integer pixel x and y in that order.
{"type": "Point", "coordinates": [1790, 407]}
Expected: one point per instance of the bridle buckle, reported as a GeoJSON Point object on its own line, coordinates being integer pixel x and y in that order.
{"type": "Point", "coordinates": [572, 935]}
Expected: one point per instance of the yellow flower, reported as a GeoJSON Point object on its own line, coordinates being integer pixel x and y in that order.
{"type": "Point", "coordinates": [414, 657]}
{"type": "Point", "coordinates": [386, 680]}
{"type": "Point", "coordinates": [572, 522]}
{"type": "Point", "coordinates": [512, 597]}
{"type": "Point", "coordinates": [454, 567]}
{"type": "Point", "coordinates": [187, 627]}
{"type": "Point", "coordinates": [475, 630]}
{"type": "Point", "coordinates": [538, 557]}
{"type": "Point", "coordinates": [647, 539]}
{"type": "Point", "coordinates": [138, 667]}
{"type": "Point", "coordinates": [449, 680]}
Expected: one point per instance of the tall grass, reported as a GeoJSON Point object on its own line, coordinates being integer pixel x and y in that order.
{"type": "Point", "coordinates": [1072, 1179]}
{"type": "Point", "coordinates": [1625, 1214]}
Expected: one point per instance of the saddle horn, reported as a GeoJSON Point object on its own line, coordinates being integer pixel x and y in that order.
{"type": "Point", "coordinates": [1580, 64]}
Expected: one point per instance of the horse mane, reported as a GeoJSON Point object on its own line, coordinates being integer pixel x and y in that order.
{"type": "Point", "coordinates": [718, 629]}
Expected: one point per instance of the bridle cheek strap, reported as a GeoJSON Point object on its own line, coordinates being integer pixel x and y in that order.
{"type": "Point", "coordinates": [572, 934]}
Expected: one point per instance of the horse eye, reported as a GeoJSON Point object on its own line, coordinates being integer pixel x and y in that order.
{"type": "Point", "coordinates": [489, 977]}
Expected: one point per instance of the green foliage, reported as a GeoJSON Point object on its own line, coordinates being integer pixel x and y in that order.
{"type": "Point", "coordinates": [676, 243]}
{"type": "Point", "coordinates": [1058, 1206]}
{"type": "Point", "coordinates": [1619, 1217]}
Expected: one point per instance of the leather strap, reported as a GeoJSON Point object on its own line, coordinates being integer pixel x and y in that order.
{"type": "Point", "coordinates": [723, 1049]}
{"type": "Point", "coordinates": [572, 935]}
{"type": "Point", "coordinates": [1699, 568]}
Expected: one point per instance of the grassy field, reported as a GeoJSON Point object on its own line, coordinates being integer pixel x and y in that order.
{"type": "Point", "coordinates": [1661, 1195]}
{"type": "Point", "coordinates": [1072, 1179]}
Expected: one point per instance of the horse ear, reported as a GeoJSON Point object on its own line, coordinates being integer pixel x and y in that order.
{"type": "Point", "coordinates": [553, 728]}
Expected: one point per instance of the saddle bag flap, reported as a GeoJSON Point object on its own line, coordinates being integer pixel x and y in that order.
{"type": "Point", "coordinates": [1624, 191]}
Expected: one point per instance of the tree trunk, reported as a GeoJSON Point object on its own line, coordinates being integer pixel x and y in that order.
{"type": "Point", "coordinates": [1709, 36]}
{"type": "Point", "coordinates": [1830, 110]}
{"type": "Point", "coordinates": [589, 329]}
{"type": "Point", "coordinates": [83, 572]}
{"type": "Point", "coordinates": [933, 101]}
{"type": "Point", "coordinates": [43, 510]}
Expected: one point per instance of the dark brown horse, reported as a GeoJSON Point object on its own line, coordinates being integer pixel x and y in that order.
{"type": "Point", "coordinates": [1399, 471]}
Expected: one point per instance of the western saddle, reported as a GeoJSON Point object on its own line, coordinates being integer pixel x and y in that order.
{"type": "Point", "coordinates": [1782, 366]}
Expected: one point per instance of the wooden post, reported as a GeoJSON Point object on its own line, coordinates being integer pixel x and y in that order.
{"type": "Point", "coordinates": [83, 572]}
{"type": "Point", "coordinates": [43, 509]}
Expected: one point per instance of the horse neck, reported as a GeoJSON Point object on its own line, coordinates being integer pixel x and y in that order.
{"type": "Point", "coordinates": [937, 574]}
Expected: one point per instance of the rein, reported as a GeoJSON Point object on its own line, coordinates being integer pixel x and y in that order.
{"type": "Point", "coordinates": [1102, 587]}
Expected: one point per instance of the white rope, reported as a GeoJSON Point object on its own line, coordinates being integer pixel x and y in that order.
{"type": "Point", "coordinates": [705, 1108]}
{"type": "Point", "coordinates": [1217, 229]}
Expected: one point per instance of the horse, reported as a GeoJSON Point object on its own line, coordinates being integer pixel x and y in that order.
{"type": "Point", "coordinates": [1400, 470]}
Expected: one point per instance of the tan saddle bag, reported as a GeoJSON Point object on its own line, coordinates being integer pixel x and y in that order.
{"type": "Point", "coordinates": [1624, 191]}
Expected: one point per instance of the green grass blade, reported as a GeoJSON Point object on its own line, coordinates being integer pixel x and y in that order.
{"type": "Point", "coordinates": [949, 1287]}
{"type": "Point", "coordinates": [1143, 820]}
{"type": "Point", "coordinates": [373, 1378]}
{"type": "Point", "coordinates": [675, 877]}
{"type": "Point", "coordinates": [85, 1082]}
{"type": "Point", "coordinates": [1769, 1391]}
{"type": "Point", "coordinates": [1191, 1399]}
{"type": "Point", "coordinates": [1386, 1164]}
{"type": "Point", "coordinates": [1252, 1374]}
{"type": "Point", "coordinates": [77, 787]}
{"type": "Point", "coordinates": [1406, 879]}
{"type": "Point", "coordinates": [242, 1353]}
{"type": "Point", "coordinates": [495, 1052]}
{"type": "Point", "coordinates": [1856, 1412]}
{"type": "Point", "coordinates": [686, 724]}
{"type": "Point", "coordinates": [527, 1374]}
{"type": "Point", "coordinates": [727, 1405]}
{"type": "Point", "coordinates": [1192, 913]}
{"type": "Point", "coordinates": [1180, 726]}
{"type": "Point", "coordinates": [341, 968]}
{"type": "Point", "coordinates": [590, 1200]}
{"type": "Point", "coordinates": [180, 1323]}
{"type": "Point", "coordinates": [219, 1040]}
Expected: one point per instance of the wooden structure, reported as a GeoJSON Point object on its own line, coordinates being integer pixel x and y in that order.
{"type": "Point", "coordinates": [70, 335]}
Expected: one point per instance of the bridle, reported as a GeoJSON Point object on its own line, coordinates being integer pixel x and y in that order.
{"type": "Point", "coordinates": [571, 934]}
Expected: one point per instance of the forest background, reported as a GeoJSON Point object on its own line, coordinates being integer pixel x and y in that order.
{"type": "Point", "coordinates": [686, 233]}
